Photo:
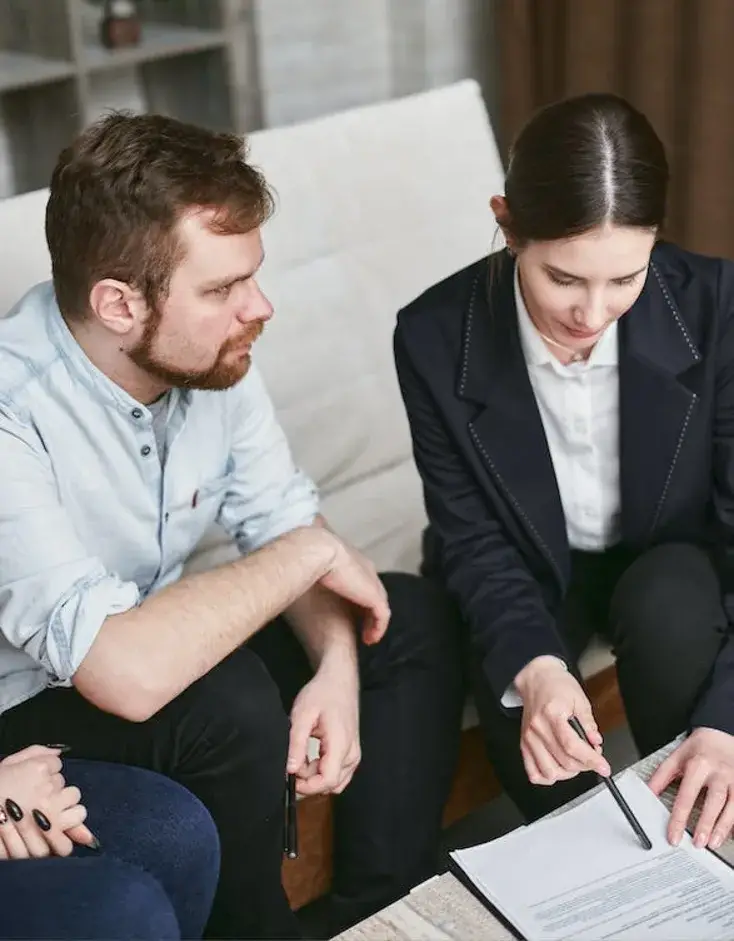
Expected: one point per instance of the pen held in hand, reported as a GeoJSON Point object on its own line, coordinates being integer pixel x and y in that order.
{"type": "Point", "coordinates": [290, 847]}
{"type": "Point", "coordinates": [615, 792]}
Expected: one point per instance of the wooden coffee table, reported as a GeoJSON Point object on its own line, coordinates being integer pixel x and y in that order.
{"type": "Point", "coordinates": [443, 910]}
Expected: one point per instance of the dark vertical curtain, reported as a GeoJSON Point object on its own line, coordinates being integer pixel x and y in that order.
{"type": "Point", "coordinates": [673, 59]}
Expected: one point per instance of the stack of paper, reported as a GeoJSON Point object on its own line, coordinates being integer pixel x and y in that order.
{"type": "Point", "coordinates": [584, 875]}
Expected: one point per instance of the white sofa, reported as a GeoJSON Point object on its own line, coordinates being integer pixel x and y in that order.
{"type": "Point", "coordinates": [374, 205]}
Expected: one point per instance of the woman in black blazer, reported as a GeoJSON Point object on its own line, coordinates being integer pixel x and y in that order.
{"type": "Point", "coordinates": [571, 404]}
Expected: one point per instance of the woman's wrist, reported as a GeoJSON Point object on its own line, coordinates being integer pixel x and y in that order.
{"type": "Point", "coordinates": [538, 666]}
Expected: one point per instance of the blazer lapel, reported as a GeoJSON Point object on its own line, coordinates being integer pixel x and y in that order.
{"type": "Point", "coordinates": [655, 407]}
{"type": "Point", "coordinates": [507, 430]}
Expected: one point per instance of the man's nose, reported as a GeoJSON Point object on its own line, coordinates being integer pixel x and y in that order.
{"type": "Point", "coordinates": [257, 305]}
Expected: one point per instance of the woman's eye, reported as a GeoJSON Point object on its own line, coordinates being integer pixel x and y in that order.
{"type": "Point", "coordinates": [564, 282]}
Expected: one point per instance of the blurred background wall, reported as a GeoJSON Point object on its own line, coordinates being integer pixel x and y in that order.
{"type": "Point", "coordinates": [332, 54]}
{"type": "Point", "coordinates": [290, 60]}
{"type": "Point", "coordinates": [247, 64]}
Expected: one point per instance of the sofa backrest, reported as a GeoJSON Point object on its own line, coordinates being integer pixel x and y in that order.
{"type": "Point", "coordinates": [23, 257]}
{"type": "Point", "coordinates": [374, 205]}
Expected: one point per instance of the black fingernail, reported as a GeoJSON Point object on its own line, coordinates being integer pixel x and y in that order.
{"type": "Point", "coordinates": [42, 820]}
{"type": "Point", "coordinates": [61, 748]}
{"type": "Point", "coordinates": [95, 844]}
{"type": "Point", "coordinates": [12, 808]}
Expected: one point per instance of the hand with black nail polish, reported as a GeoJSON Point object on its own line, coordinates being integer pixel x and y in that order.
{"type": "Point", "coordinates": [43, 815]}
{"type": "Point", "coordinates": [42, 820]}
{"type": "Point", "coordinates": [13, 810]}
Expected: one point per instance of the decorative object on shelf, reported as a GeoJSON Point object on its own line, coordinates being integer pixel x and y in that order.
{"type": "Point", "coordinates": [120, 24]}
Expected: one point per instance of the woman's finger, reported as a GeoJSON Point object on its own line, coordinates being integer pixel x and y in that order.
{"type": "Point", "coordinates": [694, 779]}
{"type": "Point", "coordinates": [72, 817]}
{"type": "Point", "coordinates": [531, 767]}
{"type": "Point", "coordinates": [566, 760]}
{"type": "Point", "coordinates": [28, 828]}
{"type": "Point", "coordinates": [58, 843]}
{"type": "Point", "coordinates": [33, 751]}
{"type": "Point", "coordinates": [70, 796]}
{"type": "Point", "coordinates": [535, 776]}
{"type": "Point", "coordinates": [547, 765]}
{"type": "Point", "coordinates": [725, 823]}
{"type": "Point", "coordinates": [84, 837]}
{"type": "Point", "coordinates": [717, 794]}
{"type": "Point", "coordinates": [12, 841]}
{"type": "Point", "coordinates": [587, 757]}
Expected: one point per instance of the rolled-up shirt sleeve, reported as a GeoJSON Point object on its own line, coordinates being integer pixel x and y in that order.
{"type": "Point", "coordinates": [267, 495]}
{"type": "Point", "coordinates": [54, 595]}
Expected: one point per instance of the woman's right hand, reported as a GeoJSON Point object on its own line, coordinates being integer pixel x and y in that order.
{"type": "Point", "coordinates": [32, 780]}
{"type": "Point", "coordinates": [551, 750]}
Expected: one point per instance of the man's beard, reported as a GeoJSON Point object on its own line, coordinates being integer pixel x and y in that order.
{"type": "Point", "coordinates": [223, 374]}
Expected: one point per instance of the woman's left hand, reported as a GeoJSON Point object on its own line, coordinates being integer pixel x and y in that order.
{"type": "Point", "coordinates": [705, 760]}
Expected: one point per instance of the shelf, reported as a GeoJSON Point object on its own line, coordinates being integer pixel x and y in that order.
{"type": "Point", "coordinates": [157, 42]}
{"type": "Point", "coordinates": [195, 62]}
{"type": "Point", "coordinates": [20, 70]}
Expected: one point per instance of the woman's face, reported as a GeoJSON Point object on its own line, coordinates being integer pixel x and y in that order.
{"type": "Point", "coordinates": [575, 288]}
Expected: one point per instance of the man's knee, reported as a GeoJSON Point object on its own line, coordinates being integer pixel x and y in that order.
{"type": "Point", "coordinates": [239, 710]}
{"type": "Point", "coordinates": [425, 621]}
{"type": "Point", "coordinates": [422, 643]}
{"type": "Point", "coordinates": [669, 597]}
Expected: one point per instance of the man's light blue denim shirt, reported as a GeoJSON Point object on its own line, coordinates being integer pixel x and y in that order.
{"type": "Point", "coordinates": [90, 523]}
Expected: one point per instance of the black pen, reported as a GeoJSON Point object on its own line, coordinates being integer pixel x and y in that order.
{"type": "Point", "coordinates": [290, 835]}
{"type": "Point", "coordinates": [615, 792]}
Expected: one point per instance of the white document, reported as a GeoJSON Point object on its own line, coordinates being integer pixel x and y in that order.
{"type": "Point", "coordinates": [584, 875]}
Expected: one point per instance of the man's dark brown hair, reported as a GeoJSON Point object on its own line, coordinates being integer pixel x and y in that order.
{"type": "Point", "coordinates": [118, 191]}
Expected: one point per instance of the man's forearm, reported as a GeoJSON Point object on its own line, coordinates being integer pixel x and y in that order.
{"type": "Point", "coordinates": [324, 624]}
{"type": "Point", "coordinates": [142, 659]}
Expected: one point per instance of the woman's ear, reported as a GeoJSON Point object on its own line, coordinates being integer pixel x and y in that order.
{"type": "Point", "coordinates": [498, 205]}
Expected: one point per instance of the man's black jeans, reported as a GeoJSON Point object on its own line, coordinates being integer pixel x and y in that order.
{"type": "Point", "coordinates": [226, 738]}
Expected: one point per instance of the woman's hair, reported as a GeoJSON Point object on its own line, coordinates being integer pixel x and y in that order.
{"type": "Point", "coordinates": [583, 162]}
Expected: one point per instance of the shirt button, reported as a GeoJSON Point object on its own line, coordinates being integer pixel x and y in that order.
{"type": "Point", "coordinates": [137, 413]}
{"type": "Point", "coordinates": [145, 450]}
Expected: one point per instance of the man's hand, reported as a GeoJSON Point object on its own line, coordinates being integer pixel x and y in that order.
{"type": "Point", "coordinates": [705, 760]}
{"type": "Point", "coordinates": [551, 750]}
{"type": "Point", "coordinates": [354, 578]}
{"type": "Point", "coordinates": [327, 708]}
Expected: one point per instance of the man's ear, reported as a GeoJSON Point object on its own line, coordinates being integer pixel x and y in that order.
{"type": "Point", "coordinates": [498, 205]}
{"type": "Point", "coordinates": [116, 305]}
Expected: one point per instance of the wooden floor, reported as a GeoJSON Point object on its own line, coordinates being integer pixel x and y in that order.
{"type": "Point", "coordinates": [309, 876]}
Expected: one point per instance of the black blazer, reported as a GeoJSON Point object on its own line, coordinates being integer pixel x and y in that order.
{"type": "Point", "coordinates": [490, 490]}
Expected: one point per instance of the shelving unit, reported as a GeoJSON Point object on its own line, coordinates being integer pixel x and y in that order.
{"type": "Point", "coordinates": [195, 61]}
